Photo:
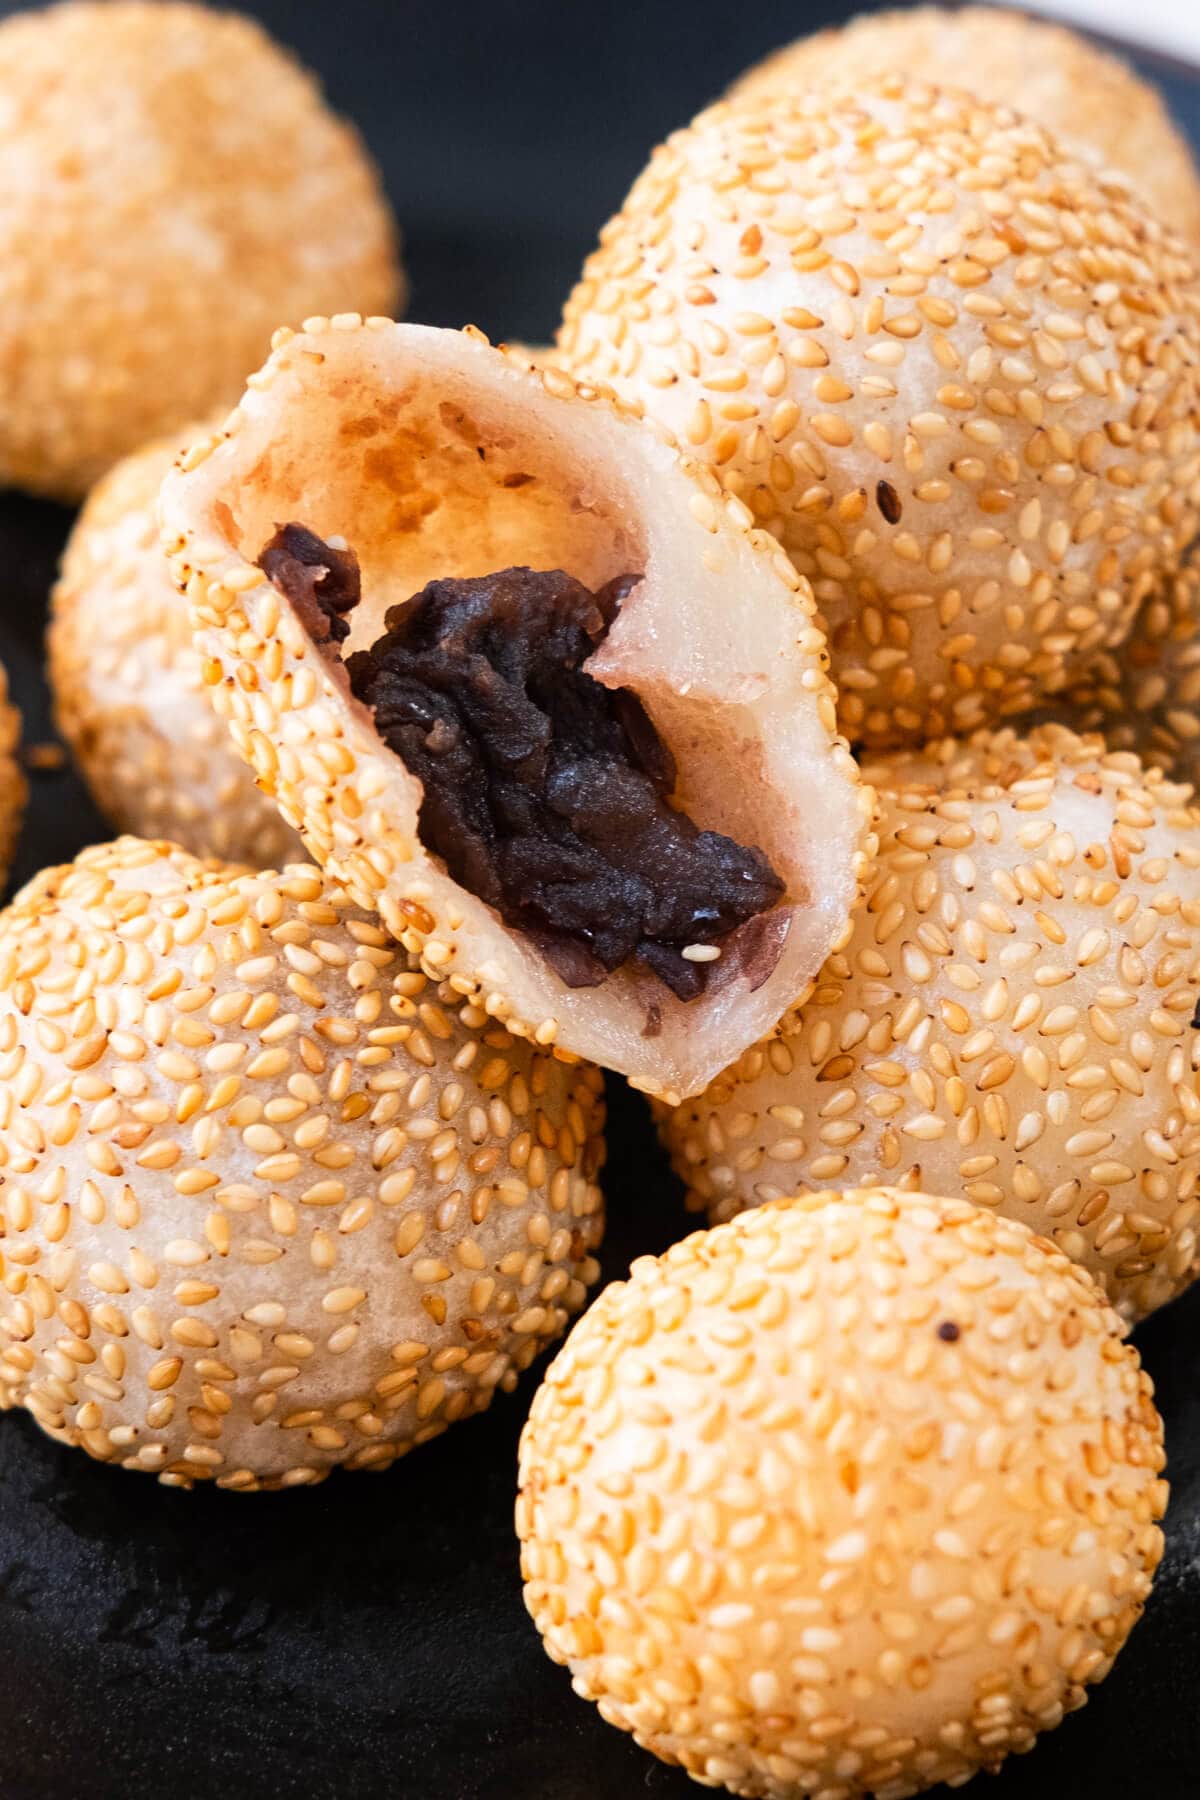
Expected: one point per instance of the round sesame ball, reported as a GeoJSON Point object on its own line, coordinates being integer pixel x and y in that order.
{"type": "Point", "coordinates": [955, 372]}
{"type": "Point", "coordinates": [1013, 1019]}
{"type": "Point", "coordinates": [430, 454]}
{"type": "Point", "coordinates": [1145, 696]}
{"type": "Point", "coordinates": [272, 1200]}
{"type": "Point", "coordinates": [175, 187]}
{"type": "Point", "coordinates": [13, 790]}
{"type": "Point", "coordinates": [129, 692]}
{"type": "Point", "coordinates": [854, 1495]}
{"type": "Point", "coordinates": [1086, 96]}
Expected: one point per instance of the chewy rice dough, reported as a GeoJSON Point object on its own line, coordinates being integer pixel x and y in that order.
{"type": "Point", "coordinates": [631, 832]}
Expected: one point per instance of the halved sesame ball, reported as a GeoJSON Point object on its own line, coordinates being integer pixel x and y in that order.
{"type": "Point", "coordinates": [1014, 1017]}
{"type": "Point", "coordinates": [531, 685]}
{"type": "Point", "coordinates": [954, 371]}
{"type": "Point", "coordinates": [1085, 95]}
{"type": "Point", "coordinates": [1145, 696]}
{"type": "Point", "coordinates": [13, 788]}
{"type": "Point", "coordinates": [129, 693]}
{"type": "Point", "coordinates": [272, 1200]}
{"type": "Point", "coordinates": [854, 1495]}
{"type": "Point", "coordinates": [174, 186]}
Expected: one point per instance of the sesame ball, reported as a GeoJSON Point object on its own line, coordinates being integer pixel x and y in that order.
{"type": "Point", "coordinates": [13, 790]}
{"type": "Point", "coordinates": [272, 1200]}
{"type": "Point", "coordinates": [175, 187]}
{"type": "Point", "coordinates": [954, 372]}
{"type": "Point", "coordinates": [854, 1495]}
{"type": "Point", "coordinates": [130, 696]}
{"type": "Point", "coordinates": [1089, 98]}
{"type": "Point", "coordinates": [1145, 696]}
{"type": "Point", "coordinates": [417, 456]}
{"type": "Point", "coordinates": [1013, 1019]}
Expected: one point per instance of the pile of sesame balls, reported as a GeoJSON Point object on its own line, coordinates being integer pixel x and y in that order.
{"type": "Point", "coordinates": [858, 1489]}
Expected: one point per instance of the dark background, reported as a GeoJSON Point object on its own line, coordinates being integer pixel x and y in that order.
{"type": "Point", "coordinates": [367, 1639]}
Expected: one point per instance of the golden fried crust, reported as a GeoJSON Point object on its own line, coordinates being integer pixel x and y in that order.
{"type": "Point", "coordinates": [273, 1201]}
{"type": "Point", "coordinates": [174, 188]}
{"type": "Point", "coordinates": [852, 1496]}
{"type": "Point", "coordinates": [1084, 95]}
{"type": "Point", "coordinates": [1013, 1018]}
{"type": "Point", "coordinates": [955, 372]}
{"type": "Point", "coordinates": [129, 693]}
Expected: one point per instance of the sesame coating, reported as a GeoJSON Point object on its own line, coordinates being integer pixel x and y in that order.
{"type": "Point", "coordinates": [13, 789]}
{"type": "Point", "coordinates": [174, 186]}
{"type": "Point", "coordinates": [1145, 697]}
{"type": "Point", "coordinates": [271, 1200]}
{"type": "Point", "coordinates": [1013, 1018]}
{"type": "Point", "coordinates": [431, 454]}
{"type": "Point", "coordinates": [129, 693]}
{"type": "Point", "coordinates": [954, 372]}
{"type": "Point", "coordinates": [1083, 94]}
{"type": "Point", "coordinates": [854, 1495]}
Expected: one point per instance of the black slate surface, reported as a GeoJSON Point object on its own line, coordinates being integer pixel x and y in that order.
{"type": "Point", "coordinates": [367, 1639]}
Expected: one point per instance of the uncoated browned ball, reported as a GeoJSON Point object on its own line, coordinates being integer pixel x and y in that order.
{"type": "Point", "coordinates": [174, 188]}
{"type": "Point", "coordinates": [12, 781]}
{"type": "Point", "coordinates": [129, 691]}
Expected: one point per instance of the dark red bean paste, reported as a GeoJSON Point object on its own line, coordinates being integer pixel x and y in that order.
{"type": "Point", "coordinates": [323, 584]}
{"type": "Point", "coordinates": [545, 794]}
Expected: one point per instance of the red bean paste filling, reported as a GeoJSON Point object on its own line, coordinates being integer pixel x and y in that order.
{"type": "Point", "coordinates": [322, 583]}
{"type": "Point", "coordinates": [545, 794]}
